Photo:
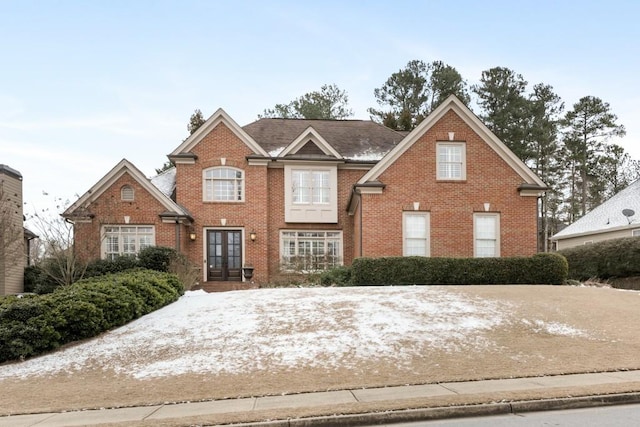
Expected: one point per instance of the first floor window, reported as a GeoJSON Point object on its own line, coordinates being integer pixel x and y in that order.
{"type": "Point", "coordinates": [126, 240]}
{"type": "Point", "coordinates": [415, 231]}
{"type": "Point", "coordinates": [310, 250]}
{"type": "Point", "coordinates": [486, 234]}
{"type": "Point", "coordinates": [635, 233]}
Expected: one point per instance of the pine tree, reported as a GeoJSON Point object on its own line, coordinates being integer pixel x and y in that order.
{"type": "Point", "coordinates": [588, 126]}
{"type": "Point", "coordinates": [195, 121]}
{"type": "Point", "coordinates": [329, 103]}
{"type": "Point", "coordinates": [505, 109]}
{"type": "Point", "coordinates": [545, 108]}
{"type": "Point", "coordinates": [410, 94]}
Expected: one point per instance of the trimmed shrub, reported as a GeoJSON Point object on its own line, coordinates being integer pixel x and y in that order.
{"type": "Point", "coordinates": [34, 324]}
{"type": "Point", "coordinates": [338, 276]}
{"type": "Point", "coordinates": [538, 269]}
{"type": "Point", "coordinates": [37, 280]}
{"type": "Point", "coordinates": [100, 267]}
{"type": "Point", "coordinates": [156, 258]}
{"type": "Point", "coordinates": [604, 260]}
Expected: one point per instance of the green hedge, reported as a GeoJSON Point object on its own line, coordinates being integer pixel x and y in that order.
{"type": "Point", "coordinates": [538, 269]}
{"type": "Point", "coordinates": [604, 260]}
{"type": "Point", "coordinates": [34, 324]}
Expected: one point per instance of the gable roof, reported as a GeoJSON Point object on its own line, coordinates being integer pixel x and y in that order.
{"type": "Point", "coordinates": [310, 136]}
{"type": "Point", "coordinates": [608, 216]}
{"type": "Point", "coordinates": [123, 167]}
{"type": "Point", "coordinates": [452, 103]}
{"type": "Point", "coordinates": [362, 140]}
{"type": "Point", "coordinates": [220, 116]}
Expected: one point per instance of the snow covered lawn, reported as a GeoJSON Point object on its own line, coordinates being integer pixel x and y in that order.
{"type": "Point", "coordinates": [274, 341]}
{"type": "Point", "coordinates": [234, 332]}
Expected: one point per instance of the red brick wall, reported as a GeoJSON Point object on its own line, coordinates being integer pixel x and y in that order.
{"type": "Point", "coordinates": [109, 209]}
{"type": "Point", "coordinates": [250, 215]}
{"type": "Point", "coordinates": [346, 179]}
{"type": "Point", "coordinates": [412, 178]}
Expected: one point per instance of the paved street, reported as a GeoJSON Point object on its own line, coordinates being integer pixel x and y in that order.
{"type": "Point", "coordinates": [608, 416]}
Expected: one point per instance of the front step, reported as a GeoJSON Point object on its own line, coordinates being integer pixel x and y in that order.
{"type": "Point", "coordinates": [225, 286]}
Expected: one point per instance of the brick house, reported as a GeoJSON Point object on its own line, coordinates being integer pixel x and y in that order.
{"type": "Point", "coordinates": [290, 194]}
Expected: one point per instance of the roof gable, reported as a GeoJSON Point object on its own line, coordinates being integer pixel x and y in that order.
{"type": "Point", "coordinates": [310, 135]}
{"type": "Point", "coordinates": [357, 140]}
{"type": "Point", "coordinates": [123, 167]}
{"type": "Point", "coordinates": [608, 216]}
{"type": "Point", "coordinates": [452, 103]}
{"type": "Point", "coordinates": [220, 116]}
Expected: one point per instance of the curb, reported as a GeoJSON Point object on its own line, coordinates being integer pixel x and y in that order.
{"type": "Point", "coordinates": [426, 414]}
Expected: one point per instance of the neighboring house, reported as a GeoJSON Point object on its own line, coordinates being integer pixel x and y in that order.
{"type": "Point", "coordinates": [14, 238]}
{"type": "Point", "coordinates": [300, 195]}
{"type": "Point", "coordinates": [617, 217]}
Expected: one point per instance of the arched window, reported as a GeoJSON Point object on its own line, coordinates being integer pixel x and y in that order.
{"type": "Point", "coordinates": [223, 184]}
{"type": "Point", "coordinates": [127, 194]}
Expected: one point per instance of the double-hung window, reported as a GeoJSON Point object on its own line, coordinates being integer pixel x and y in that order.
{"type": "Point", "coordinates": [310, 186]}
{"type": "Point", "coordinates": [451, 161]}
{"type": "Point", "coordinates": [311, 193]}
{"type": "Point", "coordinates": [486, 235]}
{"type": "Point", "coordinates": [223, 184]}
{"type": "Point", "coordinates": [126, 240]}
{"type": "Point", "coordinates": [310, 250]}
{"type": "Point", "coordinates": [415, 231]}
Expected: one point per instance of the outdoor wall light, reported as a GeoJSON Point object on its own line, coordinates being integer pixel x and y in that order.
{"type": "Point", "coordinates": [252, 236]}
{"type": "Point", "coordinates": [192, 236]}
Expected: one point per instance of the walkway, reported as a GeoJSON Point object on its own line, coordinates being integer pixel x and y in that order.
{"type": "Point", "coordinates": [157, 413]}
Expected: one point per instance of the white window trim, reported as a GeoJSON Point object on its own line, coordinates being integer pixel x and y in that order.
{"type": "Point", "coordinates": [635, 232]}
{"type": "Point", "coordinates": [427, 237]}
{"type": "Point", "coordinates": [104, 240]}
{"type": "Point", "coordinates": [313, 185]}
{"type": "Point", "coordinates": [311, 212]}
{"type": "Point", "coordinates": [205, 179]}
{"type": "Point", "coordinates": [340, 238]}
{"type": "Point", "coordinates": [463, 172]}
{"type": "Point", "coordinates": [497, 231]}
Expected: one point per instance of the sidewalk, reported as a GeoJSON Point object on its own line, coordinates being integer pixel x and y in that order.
{"type": "Point", "coordinates": [149, 415]}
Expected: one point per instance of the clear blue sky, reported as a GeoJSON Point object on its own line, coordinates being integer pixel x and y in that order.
{"type": "Point", "coordinates": [84, 84]}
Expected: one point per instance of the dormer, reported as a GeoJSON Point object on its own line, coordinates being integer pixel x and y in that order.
{"type": "Point", "coordinates": [310, 179]}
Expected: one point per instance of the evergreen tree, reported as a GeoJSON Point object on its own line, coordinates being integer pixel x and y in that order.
{"type": "Point", "coordinates": [410, 94]}
{"type": "Point", "coordinates": [545, 108]}
{"type": "Point", "coordinates": [329, 103]}
{"type": "Point", "coordinates": [505, 108]}
{"type": "Point", "coordinates": [588, 126]}
{"type": "Point", "coordinates": [195, 121]}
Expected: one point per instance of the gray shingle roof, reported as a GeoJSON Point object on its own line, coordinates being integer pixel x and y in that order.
{"type": "Point", "coordinates": [353, 139]}
{"type": "Point", "coordinates": [608, 215]}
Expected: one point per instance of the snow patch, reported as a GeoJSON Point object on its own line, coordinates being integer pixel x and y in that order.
{"type": "Point", "coordinates": [265, 329]}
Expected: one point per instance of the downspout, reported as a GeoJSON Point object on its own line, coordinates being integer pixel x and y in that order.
{"type": "Point", "coordinates": [177, 235]}
{"type": "Point", "coordinates": [361, 228]}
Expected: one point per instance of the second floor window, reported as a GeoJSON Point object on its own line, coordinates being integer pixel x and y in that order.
{"type": "Point", "coordinates": [310, 186]}
{"type": "Point", "coordinates": [223, 185]}
{"type": "Point", "coordinates": [451, 162]}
